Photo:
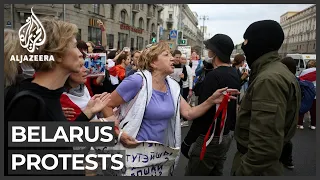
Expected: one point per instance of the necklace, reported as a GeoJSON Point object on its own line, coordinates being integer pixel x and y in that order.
{"type": "Point", "coordinates": [160, 87]}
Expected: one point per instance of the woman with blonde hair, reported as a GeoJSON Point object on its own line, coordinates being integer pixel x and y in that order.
{"type": "Point", "coordinates": [38, 98]}
{"type": "Point", "coordinates": [155, 101]}
{"type": "Point", "coordinates": [50, 78]}
{"type": "Point", "coordinates": [12, 47]}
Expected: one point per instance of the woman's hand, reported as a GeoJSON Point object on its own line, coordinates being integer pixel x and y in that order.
{"type": "Point", "coordinates": [68, 113]}
{"type": "Point", "coordinates": [216, 97]}
{"type": "Point", "coordinates": [245, 74]}
{"type": "Point", "coordinates": [128, 141]}
{"type": "Point", "coordinates": [96, 104]}
{"type": "Point", "coordinates": [181, 75]}
{"type": "Point", "coordinates": [190, 93]}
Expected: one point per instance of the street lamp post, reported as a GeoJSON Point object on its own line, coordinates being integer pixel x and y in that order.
{"type": "Point", "coordinates": [203, 18]}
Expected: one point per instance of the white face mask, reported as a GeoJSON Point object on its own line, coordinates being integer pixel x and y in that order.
{"type": "Point", "coordinates": [209, 60]}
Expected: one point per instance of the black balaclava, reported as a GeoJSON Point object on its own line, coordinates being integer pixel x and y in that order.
{"type": "Point", "coordinates": [263, 37]}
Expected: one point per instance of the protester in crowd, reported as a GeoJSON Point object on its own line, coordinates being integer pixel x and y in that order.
{"type": "Point", "coordinates": [40, 101]}
{"type": "Point", "coordinates": [67, 60]}
{"type": "Point", "coordinates": [238, 62]}
{"type": "Point", "coordinates": [309, 74]}
{"type": "Point", "coordinates": [118, 72]}
{"type": "Point", "coordinates": [203, 68]}
{"type": "Point", "coordinates": [177, 55]}
{"type": "Point", "coordinates": [77, 95]}
{"type": "Point", "coordinates": [220, 47]}
{"type": "Point", "coordinates": [187, 84]}
{"type": "Point", "coordinates": [110, 59]}
{"type": "Point", "coordinates": [194, 62]}
{"type": "Point", "coordinates": [182, 76]}
{"type": "Point", "coordinates": [82, 46]}
{"type": "Point", "coordinates": [120, 53]}
{"type": "Point", "coordinates": [135, 58]}
{"type": "Point", "coordinates": [91, 46]}
{"type": "Point", "coordinates": [286, 155]}
{"type": "Point", "coordinates": [269, 109]}
{"type": "Point", "coordinates": [156, 101]}
{"type": "Point", "coordinates": [107, 85]}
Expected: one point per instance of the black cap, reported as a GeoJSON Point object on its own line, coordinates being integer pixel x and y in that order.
{"type": "Point", "coordinates": [222, 45]}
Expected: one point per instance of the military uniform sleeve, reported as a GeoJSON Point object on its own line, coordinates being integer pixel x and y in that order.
{"type": "Point", "coordinates": [266, 130]}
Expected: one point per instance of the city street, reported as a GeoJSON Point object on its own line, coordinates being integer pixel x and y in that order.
{"type": "Point", "coordinates": [304, 154]}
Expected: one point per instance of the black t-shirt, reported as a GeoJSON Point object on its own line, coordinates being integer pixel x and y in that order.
{"type": "Point", "coordinates": [27, 108]}
{"type": "Point", "coordinates": [218, 78]}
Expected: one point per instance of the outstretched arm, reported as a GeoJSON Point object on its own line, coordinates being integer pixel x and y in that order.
{"type": "Point", "coordinates": [191, 113]}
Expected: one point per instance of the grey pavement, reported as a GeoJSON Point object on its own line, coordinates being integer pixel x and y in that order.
{"type": "Point", "coordinates": [304, 154]}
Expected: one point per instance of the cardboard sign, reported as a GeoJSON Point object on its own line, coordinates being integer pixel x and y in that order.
{"type": "Point", "coordinates": [150, 158]}
{"type": "Point", "coordinates": [185, 50]}
{"type": "Point", "coordinates": [95, 63]}
{"type": "Point", "coordinates": [176, 74]}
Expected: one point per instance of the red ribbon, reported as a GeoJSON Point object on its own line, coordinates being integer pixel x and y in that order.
{"type": "Point", "coordinates": [222, 109]}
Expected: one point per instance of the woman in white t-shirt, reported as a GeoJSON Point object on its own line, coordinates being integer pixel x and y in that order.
{"type": "Point", "coordinates": [186, 85]}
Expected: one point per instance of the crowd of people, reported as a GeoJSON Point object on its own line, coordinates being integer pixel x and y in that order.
{"type": "Point", "coordinates": [147, 104]}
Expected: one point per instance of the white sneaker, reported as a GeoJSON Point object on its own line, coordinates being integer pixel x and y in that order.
{"type": "Point", "coordinates": [300, 127]}
{"type": "Point", "coordinates": [312, 127]}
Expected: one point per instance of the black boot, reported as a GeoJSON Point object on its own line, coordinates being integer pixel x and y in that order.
{"type": "Point", "coordinates": [286, 156]}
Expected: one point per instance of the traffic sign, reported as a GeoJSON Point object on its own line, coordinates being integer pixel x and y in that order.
{"type": "Point", "coordinates": [182, 42]}
{"type": "Point", "coordinates": [173, 34]}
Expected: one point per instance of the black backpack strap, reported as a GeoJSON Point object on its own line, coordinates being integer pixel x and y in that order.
{"type": "Point", "coordinates": [24, 93]}
{"type": "Point", "coordinates": [185, 73]}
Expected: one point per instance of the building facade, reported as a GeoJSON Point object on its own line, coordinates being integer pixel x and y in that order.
{"type": "Point", "coordinates": [300, 31]}
{"type": "Point", "coordinates": [127, 25]}
{"type": "Point", "coordinates": [180, 17]}
{"type": "Point", "coordinates": [190, 27]}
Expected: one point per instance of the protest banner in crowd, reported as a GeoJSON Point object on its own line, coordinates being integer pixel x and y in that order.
{"type": "Point", "coordinates": [148, 159]}
{"type": "Point", "coordinates": [95, 63]}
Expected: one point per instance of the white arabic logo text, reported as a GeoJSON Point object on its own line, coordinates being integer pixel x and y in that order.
{"type": "Point", "coordinates": [32, 34]}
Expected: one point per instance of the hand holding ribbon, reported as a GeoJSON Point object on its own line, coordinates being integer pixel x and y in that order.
{"type": "Point", "coordinates": [222, 97]}
{"type": "Point", "coordinates": [218, 95]}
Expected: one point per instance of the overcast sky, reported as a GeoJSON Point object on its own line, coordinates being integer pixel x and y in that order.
{"type": "Point", "coordinates": [233, 19]}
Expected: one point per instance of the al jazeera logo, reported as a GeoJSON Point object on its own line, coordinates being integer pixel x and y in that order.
{"type": "Point", "coordinates": [32, 35]}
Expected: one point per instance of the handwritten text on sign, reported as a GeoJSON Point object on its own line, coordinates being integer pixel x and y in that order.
{"type": "Point", "coordinates": [149, 159]}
